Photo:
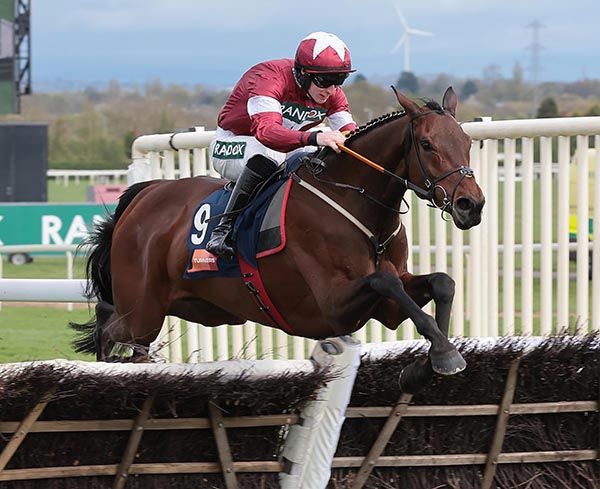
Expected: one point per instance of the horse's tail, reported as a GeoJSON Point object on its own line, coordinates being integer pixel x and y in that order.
{"type": "Point", "coordinates": [100, 239]}
{"type": "Point", "coordinates": [98, 272]}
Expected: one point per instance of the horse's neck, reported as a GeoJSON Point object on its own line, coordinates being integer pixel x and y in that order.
{"type": "Point", "coordinates": [383, 146]}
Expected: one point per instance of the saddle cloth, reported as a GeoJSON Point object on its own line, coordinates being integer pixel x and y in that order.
{"type": "Point", "coordinates": [258, 231]}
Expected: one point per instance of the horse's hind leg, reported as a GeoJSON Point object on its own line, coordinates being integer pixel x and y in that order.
{"type": "Point", "coordinates": [141, 318]}
{"type": "Point", "coordinates": [112, 330]}
{"type": "Point", "coordinates": [107, 322]}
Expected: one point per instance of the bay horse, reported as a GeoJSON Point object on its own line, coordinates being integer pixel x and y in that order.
{"type": "Point", "coordinates": [343, 264]}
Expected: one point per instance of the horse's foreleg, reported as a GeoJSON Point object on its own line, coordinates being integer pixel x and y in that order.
{"type": "Point", "coordinates": [437, 286]}
{"type": "Point", "coordinates": [445, 358]}
{"type": "Point", "coordinates": [353, 303]}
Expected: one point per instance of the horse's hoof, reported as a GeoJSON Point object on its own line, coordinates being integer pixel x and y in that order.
{"type": "Point", "coordinates": [416, 376]}
{"type": "Point", "coordinates": [448, 363]}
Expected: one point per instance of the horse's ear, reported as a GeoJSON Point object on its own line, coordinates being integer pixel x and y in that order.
{"type": "Point", "coordinates": [409, 106]}
{"type": "Point", "coordinates": [450, 101]}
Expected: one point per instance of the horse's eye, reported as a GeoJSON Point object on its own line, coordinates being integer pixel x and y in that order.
{"type": "Point", "coordinates": [426, 145]}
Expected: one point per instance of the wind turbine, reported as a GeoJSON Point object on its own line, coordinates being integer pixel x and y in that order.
{"type": "Point", "coordinates": [405, 39]}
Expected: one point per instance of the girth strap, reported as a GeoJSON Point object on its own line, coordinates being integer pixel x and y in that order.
{"type": "Point", "coordinates": [253, 281]}
{"type": "Point", "coordinates": [380, 247]}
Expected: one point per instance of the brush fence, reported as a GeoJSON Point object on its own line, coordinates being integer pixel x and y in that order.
{"type": "Point", "coordinates": [523, 414]}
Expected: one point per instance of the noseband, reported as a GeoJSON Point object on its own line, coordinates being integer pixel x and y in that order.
{"type": "Point", "coordinates": [432, 184]}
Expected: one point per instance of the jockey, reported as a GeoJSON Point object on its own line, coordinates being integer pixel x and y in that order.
{"type": "Point", "coordinates": [268, 114]}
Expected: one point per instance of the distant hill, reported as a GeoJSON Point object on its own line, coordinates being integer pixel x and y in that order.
{"type": "Point", "coordinates": [92, 125]}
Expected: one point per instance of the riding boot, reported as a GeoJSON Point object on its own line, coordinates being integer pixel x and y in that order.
{"type": "Point", "coordinates": [256, 171]}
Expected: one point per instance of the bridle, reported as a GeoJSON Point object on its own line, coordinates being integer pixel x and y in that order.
{"type": "Point", "coordinates": [431, 184]}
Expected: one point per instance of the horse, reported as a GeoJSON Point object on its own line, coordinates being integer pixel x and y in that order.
{"type": "Point", "coordinates": [345, 259]}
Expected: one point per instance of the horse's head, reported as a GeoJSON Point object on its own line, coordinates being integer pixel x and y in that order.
{"type": "Point", "coordinates": [437, 156]}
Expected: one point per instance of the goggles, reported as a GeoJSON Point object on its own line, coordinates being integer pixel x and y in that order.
{"type": "Point", "coordinates": [326, 80]}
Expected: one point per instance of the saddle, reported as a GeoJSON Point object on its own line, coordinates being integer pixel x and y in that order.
{"type": "Point", "coordinates": [258, 231]}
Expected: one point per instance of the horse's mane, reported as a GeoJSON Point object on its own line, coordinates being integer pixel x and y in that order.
{"type": "Point", "coordinates": [372, 124]}
{"type": "Point", "coordinates": [383, 119]}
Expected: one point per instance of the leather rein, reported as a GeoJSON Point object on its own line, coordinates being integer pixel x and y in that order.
{"type": "Point", "coordinates": [431, 184]}
{"type": "Point", "coordinates": [429, 192]}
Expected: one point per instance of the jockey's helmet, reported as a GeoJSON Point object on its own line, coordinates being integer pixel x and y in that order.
{"type": "Point", "coordinates": [322, 58]}
{"type": "Point", "coordinates": [322, 52]}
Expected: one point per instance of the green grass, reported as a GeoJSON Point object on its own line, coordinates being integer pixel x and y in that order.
{"type": "Point", "coordinates": [35, 332]}
{"type": "Point", "coordinates": [44, 267]}
{"type": "Point", "coordinates": [38, 333]}
{"type": "Point", "coordinates": [74, 192]}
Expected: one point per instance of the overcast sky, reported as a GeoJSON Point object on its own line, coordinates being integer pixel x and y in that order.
{"type": "Point", "coordinates": [212, 43]}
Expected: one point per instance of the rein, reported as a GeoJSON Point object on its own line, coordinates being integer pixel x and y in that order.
{"type": "Point", "coordinates": [381, 169]}
{"type": "Point", "coordinates": [431, 184]}
{"type": "Point", "coordinates": [428, 193]}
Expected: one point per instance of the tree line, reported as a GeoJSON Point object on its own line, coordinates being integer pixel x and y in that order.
{"type": "Point", "coordinates": [95, 127]}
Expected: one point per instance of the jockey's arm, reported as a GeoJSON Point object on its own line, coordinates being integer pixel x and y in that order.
{"type": "Point", "coordinates": [268, 129]}
{"type": "Point", "coordinates": [267, 126]}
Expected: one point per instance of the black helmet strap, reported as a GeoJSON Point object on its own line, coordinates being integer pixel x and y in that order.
{"type": "Point", "coordinates": [302, 79]}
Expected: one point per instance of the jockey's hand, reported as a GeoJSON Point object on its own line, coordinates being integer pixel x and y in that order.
{"type": "Point", "coordinates": [331, 139]}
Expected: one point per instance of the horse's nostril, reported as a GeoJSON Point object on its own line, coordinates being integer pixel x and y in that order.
{"type": "Point", "coordinates": [464, 204]}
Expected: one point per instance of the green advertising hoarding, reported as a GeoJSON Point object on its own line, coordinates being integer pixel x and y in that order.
{"type": "Point", "coordinates": [62, 224]}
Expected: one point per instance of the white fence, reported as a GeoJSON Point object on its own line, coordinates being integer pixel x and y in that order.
{"type": "Point", "coordinates": [513, 272]}
{"type": "Point", "coordinates": [542, 214]}
{"type": "Point", "coordinates": [49, 290]}
{"type": "Point", "coordinates": [102, 176]}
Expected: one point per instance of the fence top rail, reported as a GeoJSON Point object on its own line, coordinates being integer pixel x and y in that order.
{"type": "Point", "coordinates": [560, 126]}
{"type": "Point", "coordinates": [164, 142]}
{"type": "Point", "coordinates": [43, 248]}
{"type": "Point", "coordinates": [85, 173]}
{"type": "Point", "coordinates": [375, 351]}
{"type": "Point", "coordinates": [229, 369]}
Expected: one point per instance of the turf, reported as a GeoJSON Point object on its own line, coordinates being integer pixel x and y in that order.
{"type": "Point", "coordinates": [58, 192]}
{"type": "Point", "coordinates": [34, 331]}
{"type": "Point", "coordinates": [38, 333]}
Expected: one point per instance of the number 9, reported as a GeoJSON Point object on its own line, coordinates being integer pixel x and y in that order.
{"type": "Point", "coordinates": [201, 224]}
